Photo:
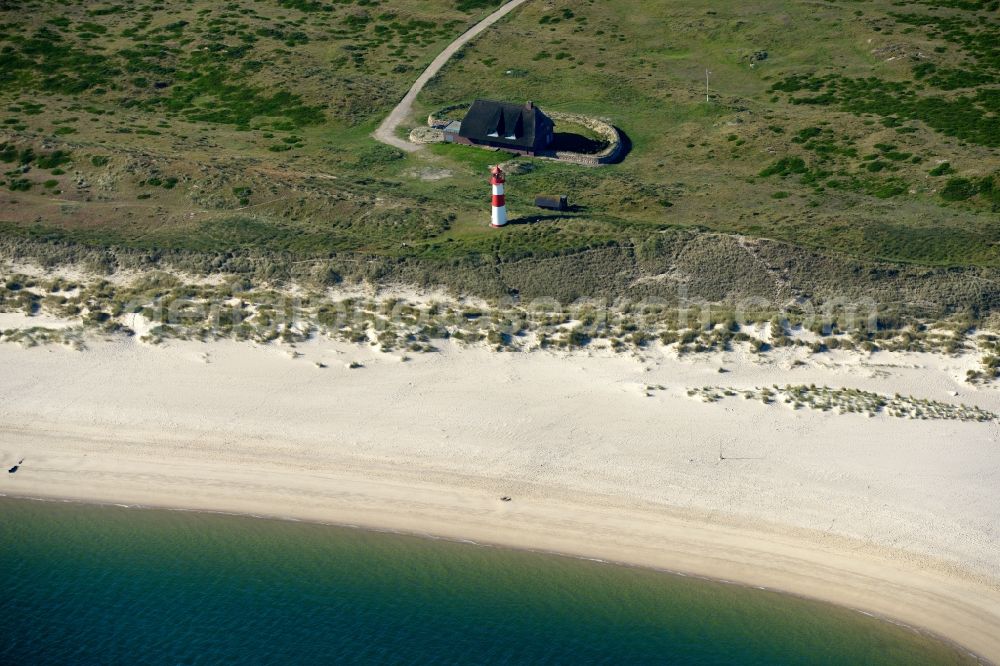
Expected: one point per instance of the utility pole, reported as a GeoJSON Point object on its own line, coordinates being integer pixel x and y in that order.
{"type": "Point", "coordinates": [707, 99]}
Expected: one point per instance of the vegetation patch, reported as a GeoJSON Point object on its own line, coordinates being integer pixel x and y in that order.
{"type": "Point", "coordinates": [235, 138]}
{"type": "Point", "coordinates": [850, 401]}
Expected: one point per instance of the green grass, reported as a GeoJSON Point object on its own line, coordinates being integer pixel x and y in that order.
{"type": "Point", "coordinates": [229, 64]}
{"type": "Point", "coordinates": [652, 86]}
{"type": "Point", "coordinates": [245, 126]}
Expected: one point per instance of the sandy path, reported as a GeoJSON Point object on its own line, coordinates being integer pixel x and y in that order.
{"type": "Point", "coordinates": [891, 516]}
{"type": "Point", "coordinates": [386, 132]}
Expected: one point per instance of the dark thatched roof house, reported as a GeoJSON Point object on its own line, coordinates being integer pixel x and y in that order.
{"type": "Point", "coordinates": [515, 128]}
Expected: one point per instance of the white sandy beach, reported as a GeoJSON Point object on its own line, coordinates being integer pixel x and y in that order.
{"type": "Point", "coordinates": [891, 516]}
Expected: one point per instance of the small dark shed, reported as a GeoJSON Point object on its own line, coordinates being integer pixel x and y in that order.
{"type": "Point", "coordinates": [552, 203]}
{"type": "Point", "coordinates": [513, 127]}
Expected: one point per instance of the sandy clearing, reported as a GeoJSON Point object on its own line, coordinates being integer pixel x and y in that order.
{"type": "Point", "coordinates": [892, 516]}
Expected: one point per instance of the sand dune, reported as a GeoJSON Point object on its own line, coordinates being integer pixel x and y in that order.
{"type": "Point", "coordinates": [892, 516]}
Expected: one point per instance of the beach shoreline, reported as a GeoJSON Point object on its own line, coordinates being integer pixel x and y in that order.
{"type": "Point", "coordinates": [580, 554]}
{"type": "Point", "coordinates": [791, 578]}
{"type": "Point", "coordinates": [802, 502]}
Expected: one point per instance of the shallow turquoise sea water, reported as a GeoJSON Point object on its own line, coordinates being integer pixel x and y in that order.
{"type": "Point", "coordinates": [107, 585]}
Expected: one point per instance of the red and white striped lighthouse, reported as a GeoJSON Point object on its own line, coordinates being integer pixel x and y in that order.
{"type": "Point", "coordinates": [499, 218]}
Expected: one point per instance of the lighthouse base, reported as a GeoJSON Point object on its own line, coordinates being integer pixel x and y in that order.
{"type": "Point", "coordinates": [499, 217]}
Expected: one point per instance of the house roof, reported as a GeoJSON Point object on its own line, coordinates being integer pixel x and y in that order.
{"type": "Point", "coordinates": [504, 123]}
